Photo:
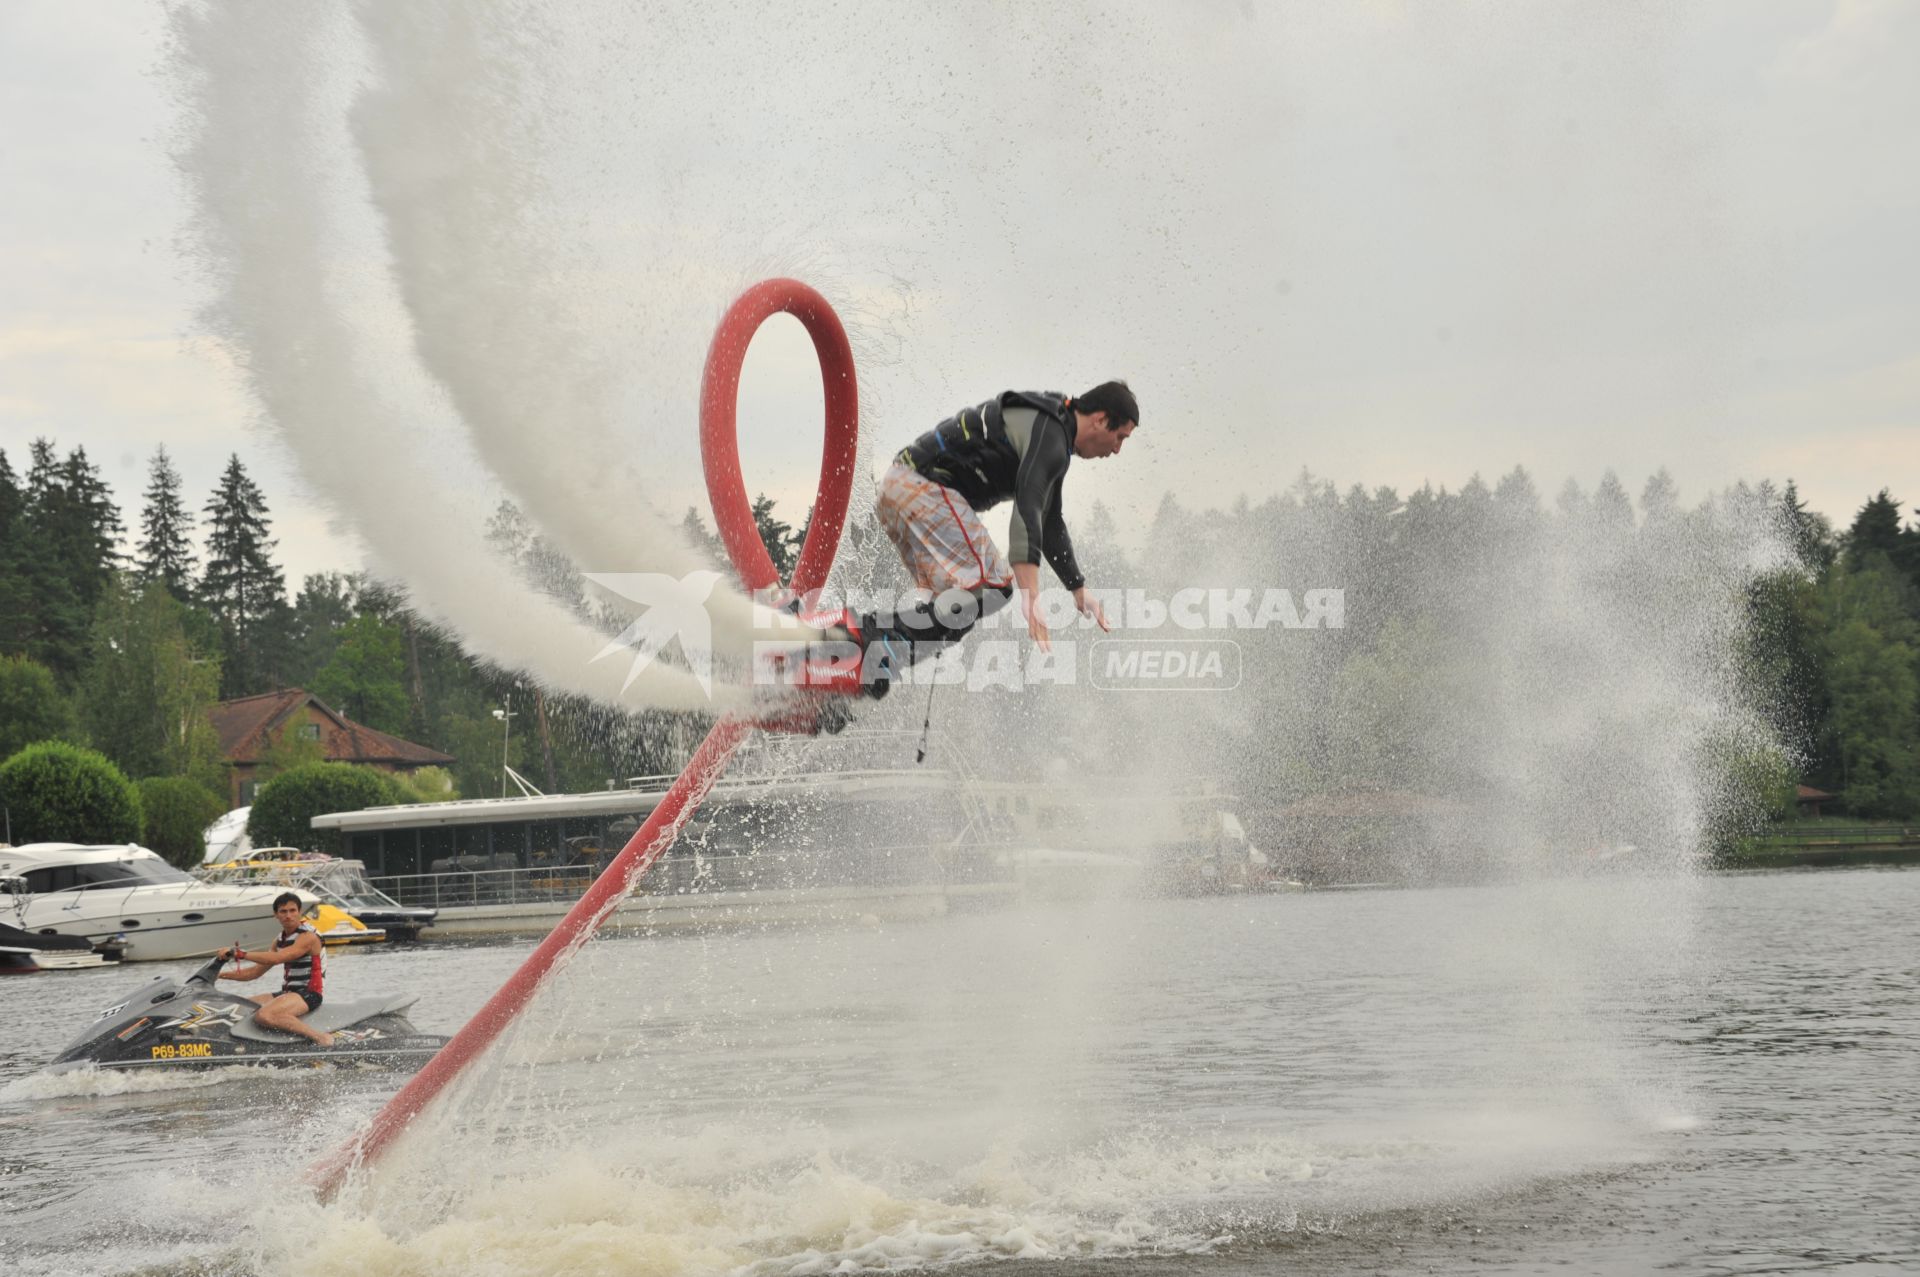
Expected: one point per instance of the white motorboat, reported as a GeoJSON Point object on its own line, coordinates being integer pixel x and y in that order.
{"type": "Point", "coordinates": [227, 839]}
{"type": "Point", "coordinates": [341, 884]}
{"type": "Point", "coordinates": [100, 892]}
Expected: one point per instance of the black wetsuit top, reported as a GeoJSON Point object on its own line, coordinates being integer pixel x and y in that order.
{"type": "Point", "coordinates": [1014, 447]}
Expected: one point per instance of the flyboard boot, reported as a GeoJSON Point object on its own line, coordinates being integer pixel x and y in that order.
{"type": "Point", "coordinates": [852, 658]}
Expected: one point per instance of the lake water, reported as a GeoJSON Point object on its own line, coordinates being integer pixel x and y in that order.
{"type": "Point", "coordinates": [1611, 1076]}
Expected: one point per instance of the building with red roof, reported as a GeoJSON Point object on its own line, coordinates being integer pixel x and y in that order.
{"type": "Point", "coordinates": [251, 726]}
{"type": "Point", "coordinates": [1810, 800]}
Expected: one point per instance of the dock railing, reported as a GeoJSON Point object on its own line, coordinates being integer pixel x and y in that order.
{"type": "Point", "coordinates": [1839, 835]}
{"type": "Point", "coordinates": [1826, 844]}
{"type": "Point", "coordinates": [679, 875]}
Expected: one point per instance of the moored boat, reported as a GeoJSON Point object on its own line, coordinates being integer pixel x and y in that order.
{"type": "Point", "coordinates": [27, 952]}
{"type": "Point", "coordinates": [332, 881]}
{"type": "Point", "coordinates": [104, 893]}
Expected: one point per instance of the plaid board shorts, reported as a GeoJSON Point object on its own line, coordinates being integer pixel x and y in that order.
{"type": "Point", "coordinates": [938, 534]}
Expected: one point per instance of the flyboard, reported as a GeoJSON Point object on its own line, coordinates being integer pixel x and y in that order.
{"type": "Point", "coordinates": [720, 458]}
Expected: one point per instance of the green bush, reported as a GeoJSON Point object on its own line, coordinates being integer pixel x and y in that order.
{"type": "Point", "coordinates": [31, 706]}
{"type": "Point", "coordinates": [56, 792]}
{"type": "Point", "coordinates": [284, 807]}
{"type": "Point", "coordinates": [178, 812]}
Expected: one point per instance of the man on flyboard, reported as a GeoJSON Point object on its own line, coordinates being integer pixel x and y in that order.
{"type": "Point", "coordinates": [1014, 447]}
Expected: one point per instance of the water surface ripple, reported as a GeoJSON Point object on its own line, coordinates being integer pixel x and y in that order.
{"type": "Point", "coordinates": [1618, 1076]}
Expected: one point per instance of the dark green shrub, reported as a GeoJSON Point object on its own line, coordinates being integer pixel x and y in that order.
{"type": "Point", "coordinates": [56, 792]}
{"type": "Point", "coordinates": [177, 812]}
{"type": "Point", "coordinates": [285, 806]}
{"type": "Point", "coordinates": [31, 706]}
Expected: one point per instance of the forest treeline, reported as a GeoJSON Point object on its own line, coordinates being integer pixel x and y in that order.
{"type": "Point", "coordinates": [1567, 669]}
{"type": "Point", "coordinates": [121, 633]}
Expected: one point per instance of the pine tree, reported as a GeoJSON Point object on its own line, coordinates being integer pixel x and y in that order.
{"type": "Point", "coordinates": [42, 471]}
{"type": "Point", "coordinates": [1660, 499]}
{"type": "Point", "coordinates": [240, 584]}
{"type": "Point", "coordinates": [89, 537]}
{"type": "Point", "coordinates": [1165, 563]}
{"type": "Point", "coordinates": [12, 499]}
{"type": "Point", "coordinates": [15, 597]}
{"type": "Point", "coordinates": [1906, 555]}
{"type": "Point", "coordinates": [12, 502]}
{"type": "Point", "coordinates": [166, 526]}
{"type": "Point", "coordinates": [1875, 529]}
{"type": "Point", "coordinates": [1571, 503]}
{"type": "Point", "coordinates": [540, 563]}
{"type": "Point", "coordinates": [56, 618]}
{"type": "Point", "coordinates": [1097, 545]}
{"type": "Point", "coordinates": [783, 546]}
{"type": "Point", "coordinates": [1611, 506]}
{"type": "Point", "coordinates": [1810, 533]}
{"type": "Point", "coordinates": [1515, 496]}
{"type": "Point", "coordinates": [694, 528]}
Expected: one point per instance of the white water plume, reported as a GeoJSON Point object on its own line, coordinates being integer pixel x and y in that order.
{"type": "Point", "coordinates": [1514, 690]}
{"type": "Point", "coordinates": [254, 165]}
{"type": "Point", "coordinates": [448, 134]}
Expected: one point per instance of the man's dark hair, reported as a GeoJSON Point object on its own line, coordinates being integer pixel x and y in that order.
{"type": "Point", "coordinates": [1114, 399]}
{"type": "Point", "coordinates": [283, 897]}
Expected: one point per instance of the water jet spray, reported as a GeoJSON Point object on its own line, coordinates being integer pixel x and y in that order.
{"type": "Point", "coordinates": [726, 489]}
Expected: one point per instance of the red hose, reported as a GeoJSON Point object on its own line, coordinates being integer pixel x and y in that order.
{"type": "Point", "coordinates": [720, 444]}
{"type": "Point", "coordinates": [720, 452]}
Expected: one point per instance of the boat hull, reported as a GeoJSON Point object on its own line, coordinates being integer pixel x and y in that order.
{"type": "Point", "coordinates": [160, 924]}
{"type": "Point", "coordinates": [389, 1048]}
{"type": "Point", "coordinates": [174, 1023]}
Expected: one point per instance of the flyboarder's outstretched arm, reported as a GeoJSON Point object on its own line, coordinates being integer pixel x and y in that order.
{"type": "Point", "coordinates": [1027, 577]}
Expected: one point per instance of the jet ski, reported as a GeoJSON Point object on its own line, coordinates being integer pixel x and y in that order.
{"type": "Point", "coordinates": [174, 1023]}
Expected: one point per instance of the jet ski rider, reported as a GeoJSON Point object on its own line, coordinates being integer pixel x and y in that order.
{"type": "Point", "coordinates": [298, 950]}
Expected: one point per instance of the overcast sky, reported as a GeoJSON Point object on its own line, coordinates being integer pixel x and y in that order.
{"type": "Point", "coordinates": [1389, 243]}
